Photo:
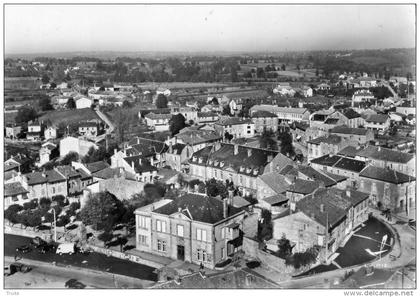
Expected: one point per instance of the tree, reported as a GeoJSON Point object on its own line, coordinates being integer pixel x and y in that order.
{"type": "Point", "coordinates": [154, 191]}
{"type": "Point", "coordinates": [215, 188]}
{"type": "Point", "coordinates": [45, 104]}
{"type": "Point", "coordinates": [285, 248]}
{"type": "Point", "coordinates": [71, 104]}
{"type": "Point", "coordinates": [53, 85]}
{"type": "Point", "coordinates": [45, 79]}
{"type": "Point", "coordinates": [176, 123]}
{"type": "Point", "coordinates": [123, 118]}
{"type": "Point", "coordinates": [102, 211]}
{"type": "Point", "coordinates": [283, 67]}
{"type": "Point", "coordinates": [267, 141]}
{"type": "Point", "coordinates": [127, 104]}
{"type": "Point", "coordinates": [161, 101]}
{"type": "Point", "coordinates": [228, 136]}
{"type": "Point", "coordinates": [226, 110]}
{"type": "Point", "coordinates": [286, 146]}
{"type": "Point", "coordinates": [70, 157]}
{"type": "Point", "coordinates": [265, 227]}
{"type": "Point", "coordinates": [94, 155]}
{"type": "Point", "coordinates": [214, 101]}
{"type": "Point", "coordinates": [26, 114]}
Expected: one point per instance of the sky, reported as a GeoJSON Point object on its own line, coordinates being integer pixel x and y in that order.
{"type": "Point", "coordinates": [192, 28]}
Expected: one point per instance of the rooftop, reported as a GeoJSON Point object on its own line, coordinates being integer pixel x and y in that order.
{"type": "Point", "coordinates": [385, 154]}
{"type": "Point", "coordinates": [233, 121]}
{"type": "Point", "coordinates": [303, 186]}
{"type": "Point", "coordinates": [386, 175]}
{"type": "Point", "coordinates": [13, 189]}
{"type": "Point", "coordinates": [96, 166]}
{"type": "Point", "coordinates": [348, 130]}
{"type": "Point", "coordinates": [377, 118]}
{"type": "Point", "coordinates": [330, 139]}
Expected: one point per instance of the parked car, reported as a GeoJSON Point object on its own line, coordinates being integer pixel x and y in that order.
{"type": "Point", "coordinates": [20, 267]}
{"type": "Point", "coordinates": [74, 284]}
{"type": "Point", "coordinates": [66, 248]}
{"type": "Point", "coordinates": [37, 242]}
{"type": "Point", "coordinates": [9, 270]}
{"type": "Point", "coordinates": [23, 249]}
{"type": "Point", "coordinates": [47, 248]}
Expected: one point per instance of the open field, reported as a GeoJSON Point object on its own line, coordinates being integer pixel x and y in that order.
{"type": "Point", "coordinates": [70, 116]}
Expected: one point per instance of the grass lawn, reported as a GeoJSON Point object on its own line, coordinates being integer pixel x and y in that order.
{"type": "Point", "coordinates": [70, 116]}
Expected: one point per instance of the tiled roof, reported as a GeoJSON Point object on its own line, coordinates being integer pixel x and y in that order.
{"type": "Point", "coordinates": [330, 139]}
{"type": "Point", "coordinates": [233, 121]}
{"type": "Point", "coordinates": [158, 116]}
{"type": "Point", "coordinates": [15, 188]}
{"type": "Point", "coordinates": [377, 118]}
{"type": "Point", "coordinates": [336, 177]}
{"type": "Point", "coordinates": [348, 130]}
{"type": "Point", "coordinates": [326, 160]}
{"type": "Point", "coordinates": [385, 154]}
{"type": "Point", "coordinates": [275, 181]}
{"type": "Point", "coordinates": [277, 109]}
{"type": "Point", "coordinates": [10, 166]}
{"type": "Point", "coordinates": [386, 175]}
{"type": "Point", "coordinates": [54, 176]}
{"type": "Point", "coordinates": [276, 199]}
{"type": "Point", "coordinates": [240, 202]}
{"type": "Point", "coordinates": [263, 114]}
{"type": "Point", "coordinates": [351, 114]}
{"type": "Point", "coordinates": [96, 166]}
{"type": "Point", "coordinates": [83, 174]}
{"type": "Point", "coordinates": [198, 136]}
{"type": "Point", "coordinates": [350, 164]}
{"type": "Point", "coordinates": [206, 114]}
{"type": "Point", "coordinates": [349, 151]}
{"type": "Point", "coordinates": [201, 208]}
{"type": "Point", "coordinates": [35, 178]}
{"type": "Point", "coordinates": [316, 175]}
{"type": "Point", "coordinates": [145, 147]}
{"type": "Point", "coordinates": [109, 172]}
{"type": "Point", "coordinates": [68, 171]}
{"type": "Point", "coordinates": [303, 186]}
{"type": "Point", "coordinates": [140, 164]}
{"type": "Point", "coordinates": [176, 148]}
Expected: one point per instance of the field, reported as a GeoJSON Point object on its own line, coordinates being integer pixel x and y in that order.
{"type": "Point", "coordinates": [9, 117]}
{"type": "Point", "coordinates": [70, 116]}
{"type": "Point", "coordinates": [180, 85]}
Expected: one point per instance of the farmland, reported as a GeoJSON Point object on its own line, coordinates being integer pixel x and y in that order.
{"type": "Point", "coordinates": [70, 116]}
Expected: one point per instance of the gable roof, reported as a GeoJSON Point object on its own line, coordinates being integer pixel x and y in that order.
{"type": "Point", "coordinates": [12, 189]}
{"type": "Point", "coordinates": [330, 139]}
{"type": "Point", "coordinates": [275, 181]}
{"type": "Point", "coordinates": [377, 118]}
{"type": "Point", "coordinates": [233, 121]}
{"type": "Point", "coordinates": [145, 147]}
{"type": "Point", "coordinates": [385, 154]}
{"type": "Point", "coordinates": [303, 186]}
{"type": "Point", "coordinates": [202, 208]}
{"type": "Point", "coordinates": [386, 175]}
{"type": "Point", "coordinates": [193, 137]}
{"type": "Point", "coordinates": [316, 175]}
{"type": "Point", "coordinates": [140, 164]}
{"type": "Point", "coordinates": [96, 166]}
{"type": "Point", "coordinates": [177, 148]}
{"type": "Point", "coordinates": [350, 164]}
{"type": "Point", "coordinates": [263, 114]}
{"type": "Point", "coordinates": [351, 114]}
{"type": "Point", "coordinates": [347, 130]}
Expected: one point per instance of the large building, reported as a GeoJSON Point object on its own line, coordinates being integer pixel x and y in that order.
{"type": "Point", "coordinates": [193, 228]}
{"type": "Point", "coordinates": [265, 121]}
{"type": "Point", "coordinates": [237, 127]}
{"type": "Point", "coordinates": [285, 114]}
{"type": "Point", "coordinates": [239, 164]}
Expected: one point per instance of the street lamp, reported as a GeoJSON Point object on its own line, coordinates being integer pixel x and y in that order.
{"type": "Point", "coordinates": [55, 225]}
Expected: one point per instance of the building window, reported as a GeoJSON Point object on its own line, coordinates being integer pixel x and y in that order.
{"type": "Point", "coordinates": [160, 226]}
{"type": "Point", "coordinates": [180, 230]}
{"type": "Point", "coordinates": [15, 198]}
{"type": "Point", "coordinates": [202, 255]}
{"type": "Point", "coordinates": [142, 222]}
{"type": "Point", "coordinates": [201, 235]}
{"type": "Point", "coordinates": [143, 240]}
{"type": "Point", "coordinates": [161, 245]}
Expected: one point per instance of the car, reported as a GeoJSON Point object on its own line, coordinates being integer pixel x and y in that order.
{"type": "Point", "coordinates": [66, 248]}
{"type": "Point", "coordinates": [74, 284]}
{"type": "Point", "coordinates": [23, 249]}
{"type": "Point", "coordinates": [9, 270]}
{"type": "Point", "coordinates": [37, 242]}
{"type": "Point", "coordinates": [20, 267]}
{"type": "Point", "coordinates": [46, 248]}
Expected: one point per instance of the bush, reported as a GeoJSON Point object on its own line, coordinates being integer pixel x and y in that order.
{"type": "Point", "coordinates": [45, 202]}
{"type": "Point", "coordinates": [63, 220]}
{"type": "Point", "coordinates": [11, 213]}
{"type": "Point", "coordinates": [60, 200]}
{"type": "Point", "coordinates": [105, 236]}
{"type": "Point", "coordinates": [31, 204]}
{"type": "Point", "coordinates": [73, 207]}
{"type": "Point", "coordinates": [298, 260]}
{"type": "Point", "coordinates": [224, 263]}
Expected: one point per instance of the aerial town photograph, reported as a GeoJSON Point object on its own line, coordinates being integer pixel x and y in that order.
{"type": "Point", "coordinates": [209, 146]}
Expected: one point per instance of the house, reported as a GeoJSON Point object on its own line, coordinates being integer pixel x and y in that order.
{"type": "Point", "coordinates": [388, 158]}
{"type": "Point", "coordinates": [158, 121]}
{"type": "Point", "coordinates": [325, 145]}
{"type": "Point", "coordinates": [50, 131]}
{"type": "Point", "coordinates": [164, 91]}
{"type": "Point", "coordinates": [89, 129]}
{"type": "Point", "coordinates": [197, 139]}
{"type": "Point", "coordinates": [193, 228]}
{"type": "Point", "coordinates": [324, 218]}
{"type": "Point", "coordinates": [12, 131]}
{"type": "Point", "coordinates": [362, 96]}
{"type": "Point", "coordinates": [189, 113]}
{"type": "Point", "coordinates": [15, 193]}
{"type": "Point", "coordinates": [271, 184]}
{"type": "Point", "coordinates": [73, 144]}
{"type": "Point", "coordinates": [284, 89]}
{"type": "Point", "coordinates": [47, 184]}
{"type": "Point", "coordinates": [378, 123]}
{"type": "Point", "coordinates": [207, 117]}
{"type": "Point", "coordinates": [235, 107]}
{"type": "Point", "coordinates": [152, 150]}
{"type": "Point", "coordinates": [327, 119]}
{"type": "Point", "coordinates": [301, 188]}
{"type": "Point", "coordinates": [177, 155]}
{"type": "Point", "coordinates": [364, 82]}
{"type": "Point", "coordinates": [237, 127]}
{"type": "Point", "coordinates": [34, 131]}
{"type": "Point", "coordinates": [74, 179]}
{"type": "Point", "coordinates": [285, 114]}
{"type": "Point", "coordinates": [47, 149]}
{"type": "Point", "coordinates": [359, 135]}
{"type": "Point", "coordinates": [298, 131]}
{"type": "Point", "coordinates": [354, 119]}
{"type": "Point", "coordinates": [394, 190]}
{"type": "Point", "coordinates": [265, 121]}
{"type": "Point", "coordinates": [83, 103]}
{"type": "Point", "coordinates": [239, 164]}
{"type": "Point", "coordinates": [342, 166]}
{"type": "Point", "coordinates": [406, 109]}
{"type": "Point", "coordinates": [305, 91]}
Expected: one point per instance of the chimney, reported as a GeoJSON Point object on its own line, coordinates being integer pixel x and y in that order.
{"type": "Point", "coordinates": [175, 140]}
{"type": "Point", "coordinates": [225, 208]}
{"type": "Point", "coordinates": [235, 149]}
{"type": "Point", "coordinates": [132, 165]}
{"type": "Point", "coordinates": [249, 151]}
{"type": "Point", "coordinates": [269, 158]}
{"type": "Point", "coordinates": [139, 161]}
{"type": "Point", "coordinates": [312, 216]}
{"type": "Point", "coordinates": [321, 208]}
{"type": "Point", "coordinates": [170, 148]}
{"type": "Point", "coordinates": [379, 148]}
{"type": "Point", "coordinates": [348, 194]}
{"type": "Point", "coordinates": [230, 197]}
{"type": "Point", "coordinates": [115, 151]}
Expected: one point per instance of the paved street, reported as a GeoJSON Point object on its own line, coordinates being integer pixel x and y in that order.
{"type": "Point", "coordinates": [93, 261]}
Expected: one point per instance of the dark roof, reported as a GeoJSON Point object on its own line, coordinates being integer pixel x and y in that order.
{"type": "Point", "coordinates": [275, 181]}
{"type": "Point", "coordinates": [54, 176]}
{"type": "Point", "coordinates": [386, 175]}
{"type": "Point", "coordinates": [88, 124]}
{"type": "Point", "coordinates": [316, 175]}
{"type": "Point", "coordinates": [276, 200]}
{"type": "Point", "coordinates": [140, 164]}
{"type": "Point", "coordinates": [96, 166]}
{"type": "Point", "coordinates": [330, 139]}
{"type": "Point", "coordinates": [83, 174]}
{"type": "Point", "coordinates": [336, 203]}
{"type": "Point", "coordinates": [145, 147]}
{"type": "Point", "coordinates": [377, 118]}
{"type": "Point", "coordinates": [351, 114]}
{"type": "Point", "coordinates": [348, 130]}
{"type": "Point", "coordinates": [193, 137]}
{"type": "Point", "coordinates": [350, 164]}
{"type": "Point", "coordinates": [263, 114]}
{"type": "Point", "coordinates": [109, 172]}
{"type": "Point", "coordinates": [326, 160]}
{"type": "Point", "coordinates": [13, 189]}
{"type": "Point", "coordinates": [385, 154]}
{"type": "Point", "coordinates": [201, 208]}
{"type": "Point", "coordinates": [336, 177]}
{"type": "Point", "coordinates": [68, 171]}
{"type": "Point", "coordinates": [233, 121]}
{"type": "Point", "coordinates": [50, 176]}
{"type": "Point", "coordinates": [331, 121]}
{"type": "Point", "coordinates": [303, 186]}
{"type": "Point", "coordinates": [206, 114]}
{"type": "Point", "coordinates": [349, 151]}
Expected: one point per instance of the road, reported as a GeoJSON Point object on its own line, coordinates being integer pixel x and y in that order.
{"type": "Point", "coordinates": [94, 261]}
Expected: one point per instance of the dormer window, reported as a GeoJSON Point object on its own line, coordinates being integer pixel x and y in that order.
{"type": "Point", "coordinates": [255, 171]}
{"type": "Point", "coordinates": [200, 160]}
{"type": "Point", "coordinates": [248, 170]}
{"type": "Point", "coordinates": [194, 159]}
{"type": "Point", "coordinates": [216, 163]}
{"type": "Point", "coordinates": [241, 169]}
{"type": "Point", "coordinates": [211, 162]}
{"type": "Point", "coordinates": [222, 164]}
